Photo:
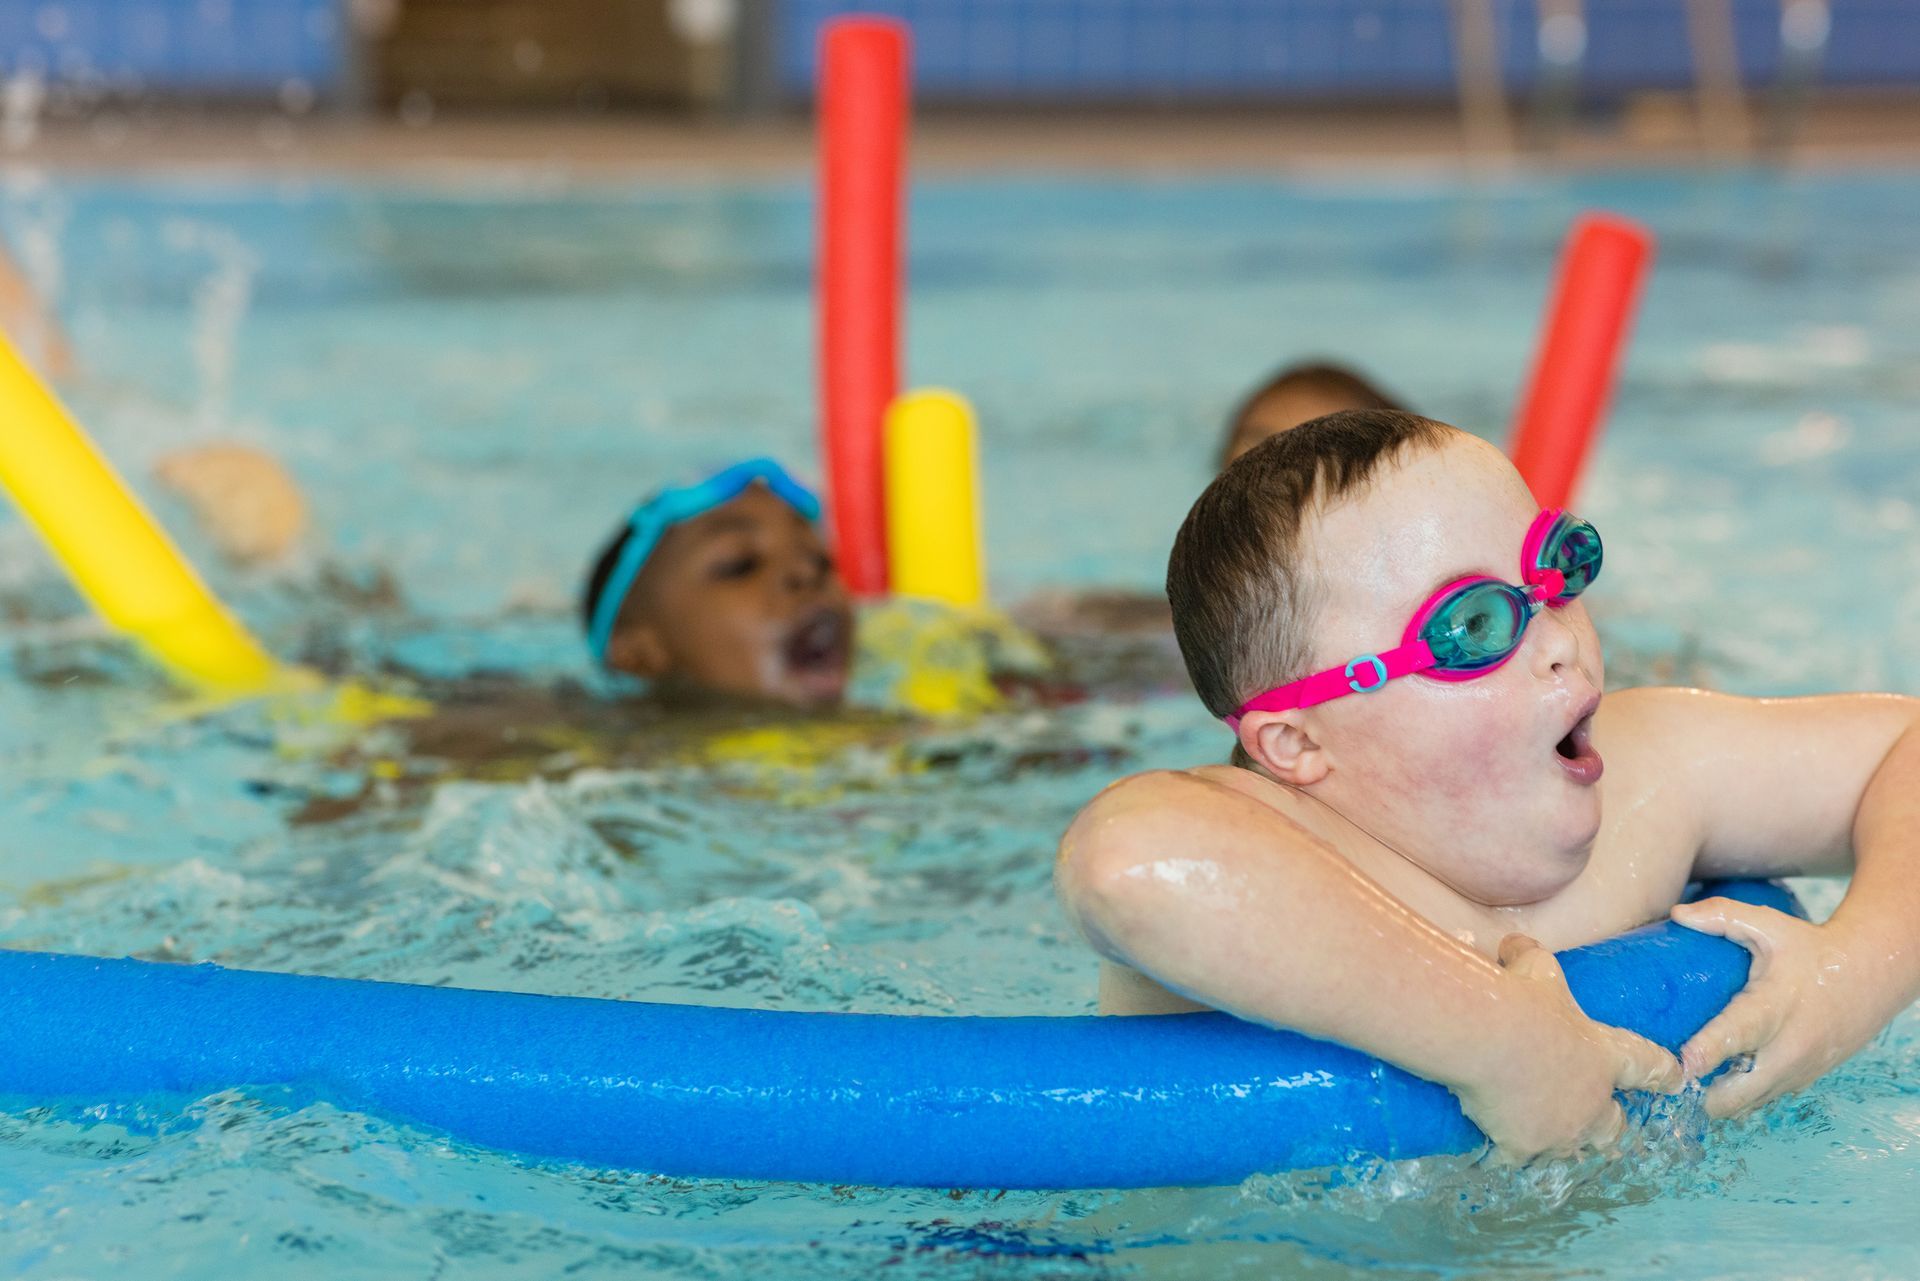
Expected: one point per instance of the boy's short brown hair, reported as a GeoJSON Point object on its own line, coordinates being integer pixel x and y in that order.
{"type": "Point", "coordinates": [1243, 606]}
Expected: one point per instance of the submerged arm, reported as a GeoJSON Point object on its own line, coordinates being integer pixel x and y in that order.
{"type": "Point", "coordinates": [1225, 900]}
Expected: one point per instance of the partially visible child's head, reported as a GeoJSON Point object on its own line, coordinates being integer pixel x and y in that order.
{"type": "Point", "coordinates": [726, 588]}
{"type": "Point", "coordinates": [1319, 546]}
{"type": "Point", "coordinates": [1298, 394]}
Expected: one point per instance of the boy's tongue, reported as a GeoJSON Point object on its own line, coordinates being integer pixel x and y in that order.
{"type": "Point", "coordinates": [816, 652]}
{"type": "Point", "coordinates": [1576, 754]}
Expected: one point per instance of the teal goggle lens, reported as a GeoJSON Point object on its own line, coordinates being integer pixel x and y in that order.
{"type": "Point", "coordinates": [1478, 626]}
{"type": "Point", "coordinates": [1574, 549]}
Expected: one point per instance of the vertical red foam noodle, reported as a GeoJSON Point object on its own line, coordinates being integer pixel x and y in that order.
{"type": "Point", "coordinates": [863, 121]}
{"type": "Point", "coordinates": [1601, 272]}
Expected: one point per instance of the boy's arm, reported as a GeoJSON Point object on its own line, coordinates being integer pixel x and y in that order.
{"type": "Point", "coordinates": [1225, 900]}
{"type": "Point", "coordinates": [1785, 786]}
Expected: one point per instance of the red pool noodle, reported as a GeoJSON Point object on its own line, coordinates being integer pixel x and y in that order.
{"type": "Point", "coordinates": [1601, 272]}
{"type": "Point", "coordinates": [863, 119]}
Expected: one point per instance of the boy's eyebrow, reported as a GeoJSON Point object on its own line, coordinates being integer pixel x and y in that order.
{"type": "Point", "coordinates": [1455, 576]}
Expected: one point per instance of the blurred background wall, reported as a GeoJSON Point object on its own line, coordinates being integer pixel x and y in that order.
{"type": "Point", "coordinates": [249, 49]}
{"type": "Point", "coordinates": [758, 55]}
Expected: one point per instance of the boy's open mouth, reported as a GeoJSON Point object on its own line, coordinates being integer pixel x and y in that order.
{"type": "Point", "coordinates": [1577, 757]}
{"type": "Point", "coordinates": [816, 652]}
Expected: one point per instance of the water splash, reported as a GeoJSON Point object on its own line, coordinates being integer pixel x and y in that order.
{"type": "Point", "coordinates": [220, 304]}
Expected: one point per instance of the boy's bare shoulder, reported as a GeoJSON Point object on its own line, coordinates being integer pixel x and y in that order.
{"type": "Point", "coordinates": [1208, 810]}
{"type": "Point", "coordinates": [1646, 717]}
{"type": "Point", "coordinates": [1743, 785]}
{"type": "Point", "coordinates": [1654, 740]}
{"type": "Point", "coordinates": [1146, 841]}
{"type": "Point", "coordinates": [1655, 700]}
{"type": "Point", "coordinates": [1652, 727]}
{"type": "Point", "coordinates": [1169, 796]}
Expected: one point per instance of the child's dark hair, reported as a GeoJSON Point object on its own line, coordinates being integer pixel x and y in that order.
{"type": "Point", "coordinates": [1243, 607]}
{"type": "Point", "coordinates": [1318, 378]}
{"type": "Point", "coordinates": [602, 570]}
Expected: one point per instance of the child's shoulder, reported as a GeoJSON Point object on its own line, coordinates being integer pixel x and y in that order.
{"type": "Point", "coordinates": [1152, 796]}
{"type": "Point", "coordinates": [1208, 811]}
{"type": "Point", "coordinates": [1657, 699]}
{"type": "Point", "coordinates": [1655, 721]}
{"type": "Point", "coordinates": [1178, 794]}
{"type": "Point", "coordinates": [1666, 750]}
{"type": "Point", "coordinates": [1646, 733]}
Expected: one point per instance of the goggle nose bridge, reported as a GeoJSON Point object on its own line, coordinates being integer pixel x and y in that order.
{"type": "Point", "coordinates": [1546, 585]}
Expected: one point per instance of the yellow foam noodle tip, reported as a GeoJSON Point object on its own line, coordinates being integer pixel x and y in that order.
{"type": "Point", "coordinates": [933, 499]}
{"type": "Point", "coordinates": [112, 549]}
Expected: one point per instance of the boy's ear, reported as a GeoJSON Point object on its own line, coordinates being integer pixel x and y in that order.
{"type": "Point", "coordinates": [638, 650]}
{"type": "Point", "coordinates": [1280, 744]}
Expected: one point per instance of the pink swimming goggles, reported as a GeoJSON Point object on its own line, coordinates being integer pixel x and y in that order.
{"type": "Point", "coordinates": [1467, 628]}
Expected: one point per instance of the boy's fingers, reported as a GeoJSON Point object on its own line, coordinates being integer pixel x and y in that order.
{"type": "Point", "coordinates": [1737, 922]}
{"type": "Point", "coordinates": [1738, 1092]}
{"type": "Point", "coordinates": [1512, 946]}
{"type": "Point", "coordinates": [1525, 957]}
{"type": "Point", "coordinates": [1748, 1022]}
{"type": "Point", "coordinates": [1510, 1156]}
{"type": "Point", "coordinates": [1606, 1133]}
{"type": "Point", "coordinates": [1645, 1066]}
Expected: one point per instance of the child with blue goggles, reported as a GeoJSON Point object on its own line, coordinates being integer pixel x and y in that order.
{"type": "Point", "coordinates": [724, 586]}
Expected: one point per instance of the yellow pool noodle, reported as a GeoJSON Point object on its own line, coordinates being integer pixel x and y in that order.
{"type": "Point", "coordinates": [933, 499]}
{"type": "Point", "coordinates": [111, 548]}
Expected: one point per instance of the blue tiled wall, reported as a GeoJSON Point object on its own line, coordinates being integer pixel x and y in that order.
{"type": "Point", "coordinates": [994, 50]}
{"type": "Point", "coordinates": [192, 46]}
{"type": "Point", "coordinates": [1110, 50]}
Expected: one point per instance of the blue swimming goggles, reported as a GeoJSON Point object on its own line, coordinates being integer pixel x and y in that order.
{"type": "Point", "coordinates": [654, 517]}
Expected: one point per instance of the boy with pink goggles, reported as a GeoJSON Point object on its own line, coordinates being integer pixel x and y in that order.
{"type": "Point", "coordinates": [1395, 878]}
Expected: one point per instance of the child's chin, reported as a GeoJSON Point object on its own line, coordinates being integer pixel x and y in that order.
{"type": "Point", "coordinates": [1536, 884]}
{"type": "Point", "coordinates": [1580, 827]}
{"type": "Point", "coordinates": [1551, 864]}
{"type": "Point", "coordinates": [818, 687]}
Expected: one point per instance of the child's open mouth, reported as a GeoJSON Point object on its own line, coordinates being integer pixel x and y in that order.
{"type": "Point", "coordinates": [816, 653]}
{"type": "Point", "coordinates": [1577, 757]}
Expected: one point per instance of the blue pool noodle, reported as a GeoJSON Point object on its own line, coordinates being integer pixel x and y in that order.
{"type": "Point", "coordinates": [688, 1090]}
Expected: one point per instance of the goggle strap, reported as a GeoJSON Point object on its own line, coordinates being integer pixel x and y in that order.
{"type": "Point", "coordinates": [1360, 675]}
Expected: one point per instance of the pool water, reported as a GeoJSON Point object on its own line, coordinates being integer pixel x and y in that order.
{"type": "Point", "coordinates": [473, 383]}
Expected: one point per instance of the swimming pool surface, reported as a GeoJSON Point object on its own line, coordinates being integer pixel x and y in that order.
{"type": "Point", "coordinates": [473, 384]}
